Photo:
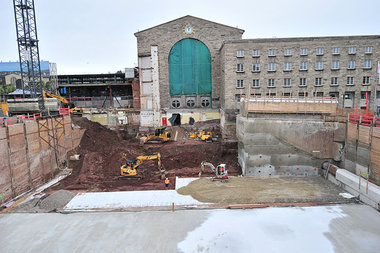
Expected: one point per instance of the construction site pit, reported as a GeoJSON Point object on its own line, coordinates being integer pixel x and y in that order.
{"type": "Point", "coordinates": [101, 153]}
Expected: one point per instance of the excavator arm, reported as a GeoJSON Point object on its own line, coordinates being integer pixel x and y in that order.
{"type": "Point", "coordinates": [47, 94]}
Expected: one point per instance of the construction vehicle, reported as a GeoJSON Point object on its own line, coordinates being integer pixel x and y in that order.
{"type": "Point", "coordinates": [160, 135]}
{"type": "Point", "coordinates": [129, 168]}
{"type": "Point", "coordinates": [66, 103]}
{"type": "Point", "coordinates": [220, 171]}
{"type": "Point", "coordinates": [202, 135]}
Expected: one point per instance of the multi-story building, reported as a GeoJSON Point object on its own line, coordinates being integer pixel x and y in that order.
{"type": "Point", "coordinates": [191, 66]}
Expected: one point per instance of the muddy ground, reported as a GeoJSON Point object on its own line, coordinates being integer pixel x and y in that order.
{"type": "Point", "coordinates": [102, 149]}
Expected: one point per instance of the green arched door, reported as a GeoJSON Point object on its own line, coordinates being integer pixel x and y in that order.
{"type": "Point", "coordinates": [190, 68]}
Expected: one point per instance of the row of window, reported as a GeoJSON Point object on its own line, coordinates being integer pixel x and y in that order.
{"type": "Point", "coordinates": [304, 51]}
{"type": "Point", "coordinates": [190, 102]}
{"type": "Point", "coordinates": [303, 82]}
{"type": "Point", "coordinates": [335, 65]}
{"type": "Point", "coordinates": [346, 96]}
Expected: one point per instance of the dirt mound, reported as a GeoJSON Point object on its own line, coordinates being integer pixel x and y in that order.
{"type": "Point", "coordinates": [102, 149]}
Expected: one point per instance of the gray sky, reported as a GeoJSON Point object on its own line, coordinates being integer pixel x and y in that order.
{"type": "Point", "coordinates": [96, 36]}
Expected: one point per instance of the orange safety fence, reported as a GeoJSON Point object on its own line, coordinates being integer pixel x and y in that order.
{"type": "Point", "coordinates": [7, 121]}
{"type": "Point", "coordinates": [365, 119]}
{"type": "Point", "coordinates": [64, 111]}
{"type": "Point", "coordinates": [377, 122]}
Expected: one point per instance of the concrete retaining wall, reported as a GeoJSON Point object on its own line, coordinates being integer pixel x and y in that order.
{"type": "Point", "coordinates": [350, 182]}
{"type": "Point", "coordinates": [294, 145]}
{"type": "Point", "coordinates": [31, 153]}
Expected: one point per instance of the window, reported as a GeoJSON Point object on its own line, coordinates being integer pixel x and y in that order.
{"type": "Point", "coordinates": [255, 83]}
{"type": "Point", "coordinates": [303, 65]}
{"type": "Point", "coordinates": [256, 53]}
{"type": "Point", "coordinates": [272, 66]}
{"type": "Point", "coordinates": [240, 84]}
{"type": "Point", "coordinates": [190, 102]}
{"type": "Point", "coordinates": [377, 94]}
{"type": "Point", "coordinates": [335, 65]}
{"type": "Point", "coordinates": [13, 80]}
{"type": "Point", "coordinates": [271, 83]}
{"type": "Point", "coordinates": [351, 65]}
{"type": "Point", "coordinates": [366, 80]}
{"type": "Point", "coordinates": [237, 97]}
{"type": "Point", "coordinates": [350, 80]}
{"type": "Point", "coordinates": [319, 65]}
{"type": "Point", "coordinates": [288, 52]}
{"type": "Point", "coordinates": [318, 94]}
{"type": "Point", "coordinates": [319, 51]}
{"type": "Point", "coordinates": [334, 81]}
{"type": "Point", "coordinates": [318, 81]}
{"type": "Point", "coordinates": [303, 51]}
{"type": "Point", "coordinates": [303, 94]}
{"type": "Point", "coordinates": [336, 50]}
{"type": "Point", "coordinates": [367, 64]}
{"type": "Point", "coordinates": [256, 67]}
{"type": "Point", "coordinates": [205, 101]}
{"type": "Point", "coordinates": [365, 94]}
{"type": "Point", "coordinates": [287, 66]}
{"type": "Point", "coordinates": [272, 52]}
{"type": "Point", "coordinates": [287, 82]}
{"type": "Point", "coordinates": [240, 53]}
{"type": "Point", "coordinates": [368, 50]}
{"type": "Point", "coordinates": [303, 81]}
{"type": "Point", "coordinates": [176, 103]}
{"type": "Point", "coordinates": [352, 50]}
{"type": "Point", "coordinates": [240, 67]}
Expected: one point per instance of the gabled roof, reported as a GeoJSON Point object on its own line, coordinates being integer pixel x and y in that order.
{"type": "Point", "coordinates": [188, 16]}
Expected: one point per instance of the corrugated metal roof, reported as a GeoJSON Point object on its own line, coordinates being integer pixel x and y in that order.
{"type": "Point", "coordinates": [15, 66]}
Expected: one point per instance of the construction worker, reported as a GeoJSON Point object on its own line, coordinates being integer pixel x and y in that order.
{"type": "Point", "coordinates": [167, 181]}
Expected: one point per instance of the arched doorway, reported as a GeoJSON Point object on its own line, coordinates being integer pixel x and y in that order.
{"type": "Point", "coordinates": [190, 68]}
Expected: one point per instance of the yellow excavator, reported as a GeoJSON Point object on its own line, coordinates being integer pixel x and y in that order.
{"type": "Point", "coordinates": [66, 103]}
{"type": "Point", "coordinates": [129, 168]}
{"type": "Point", "coordinates": [160, 135]}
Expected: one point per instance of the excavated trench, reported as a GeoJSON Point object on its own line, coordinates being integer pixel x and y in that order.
{"type": "Point", "coordinates": [101, 150]}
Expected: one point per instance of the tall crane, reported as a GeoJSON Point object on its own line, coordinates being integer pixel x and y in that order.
{"type": "Point", "coordinates": [27, 41]}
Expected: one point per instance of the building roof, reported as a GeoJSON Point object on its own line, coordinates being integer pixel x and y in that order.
{"type": "Point", "coordinates": [15, 66]}
{"type": "Point", "coordinates": [185, 17]}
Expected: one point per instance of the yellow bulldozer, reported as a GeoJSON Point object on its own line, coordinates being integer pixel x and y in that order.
{"type": "Point", "coordinates": [129, 168]}
{"type": "Point", "coordinates": [202, 135]}
{"type": "Point", "coordinates": [160, 135]}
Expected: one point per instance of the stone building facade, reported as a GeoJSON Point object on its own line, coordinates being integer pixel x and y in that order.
{"type": "Point", "coordinates": [343, 67]}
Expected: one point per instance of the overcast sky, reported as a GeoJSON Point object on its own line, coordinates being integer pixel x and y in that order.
{"type": "Point", "coordinates": [97, 36]}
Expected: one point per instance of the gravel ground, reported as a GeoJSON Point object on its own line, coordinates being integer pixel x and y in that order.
{"type": "Point", "coordinates": [50, 203]}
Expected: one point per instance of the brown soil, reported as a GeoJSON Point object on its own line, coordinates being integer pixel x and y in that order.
{"type": "Point", "coordinates": [101, 151]}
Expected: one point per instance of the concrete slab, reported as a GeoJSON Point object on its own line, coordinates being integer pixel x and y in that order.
{"type": "Point", "coordinates": [344, 228]}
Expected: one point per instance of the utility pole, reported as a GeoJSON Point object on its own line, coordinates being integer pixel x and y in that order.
{"type": "Point", "coordinates": [27, 41]}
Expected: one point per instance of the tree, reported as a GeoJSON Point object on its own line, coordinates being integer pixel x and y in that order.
{"type": "Point", "coordinates": [8, 88]}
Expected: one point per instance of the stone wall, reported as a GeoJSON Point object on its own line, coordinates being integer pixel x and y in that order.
{"type": "Point", "coordinates": [164, 36]}
{"type": "Point", "coordinates": [32, 152]}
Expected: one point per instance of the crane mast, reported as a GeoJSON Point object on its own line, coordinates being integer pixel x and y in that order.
{"type": "Point", "coordinates": [27, 41]}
